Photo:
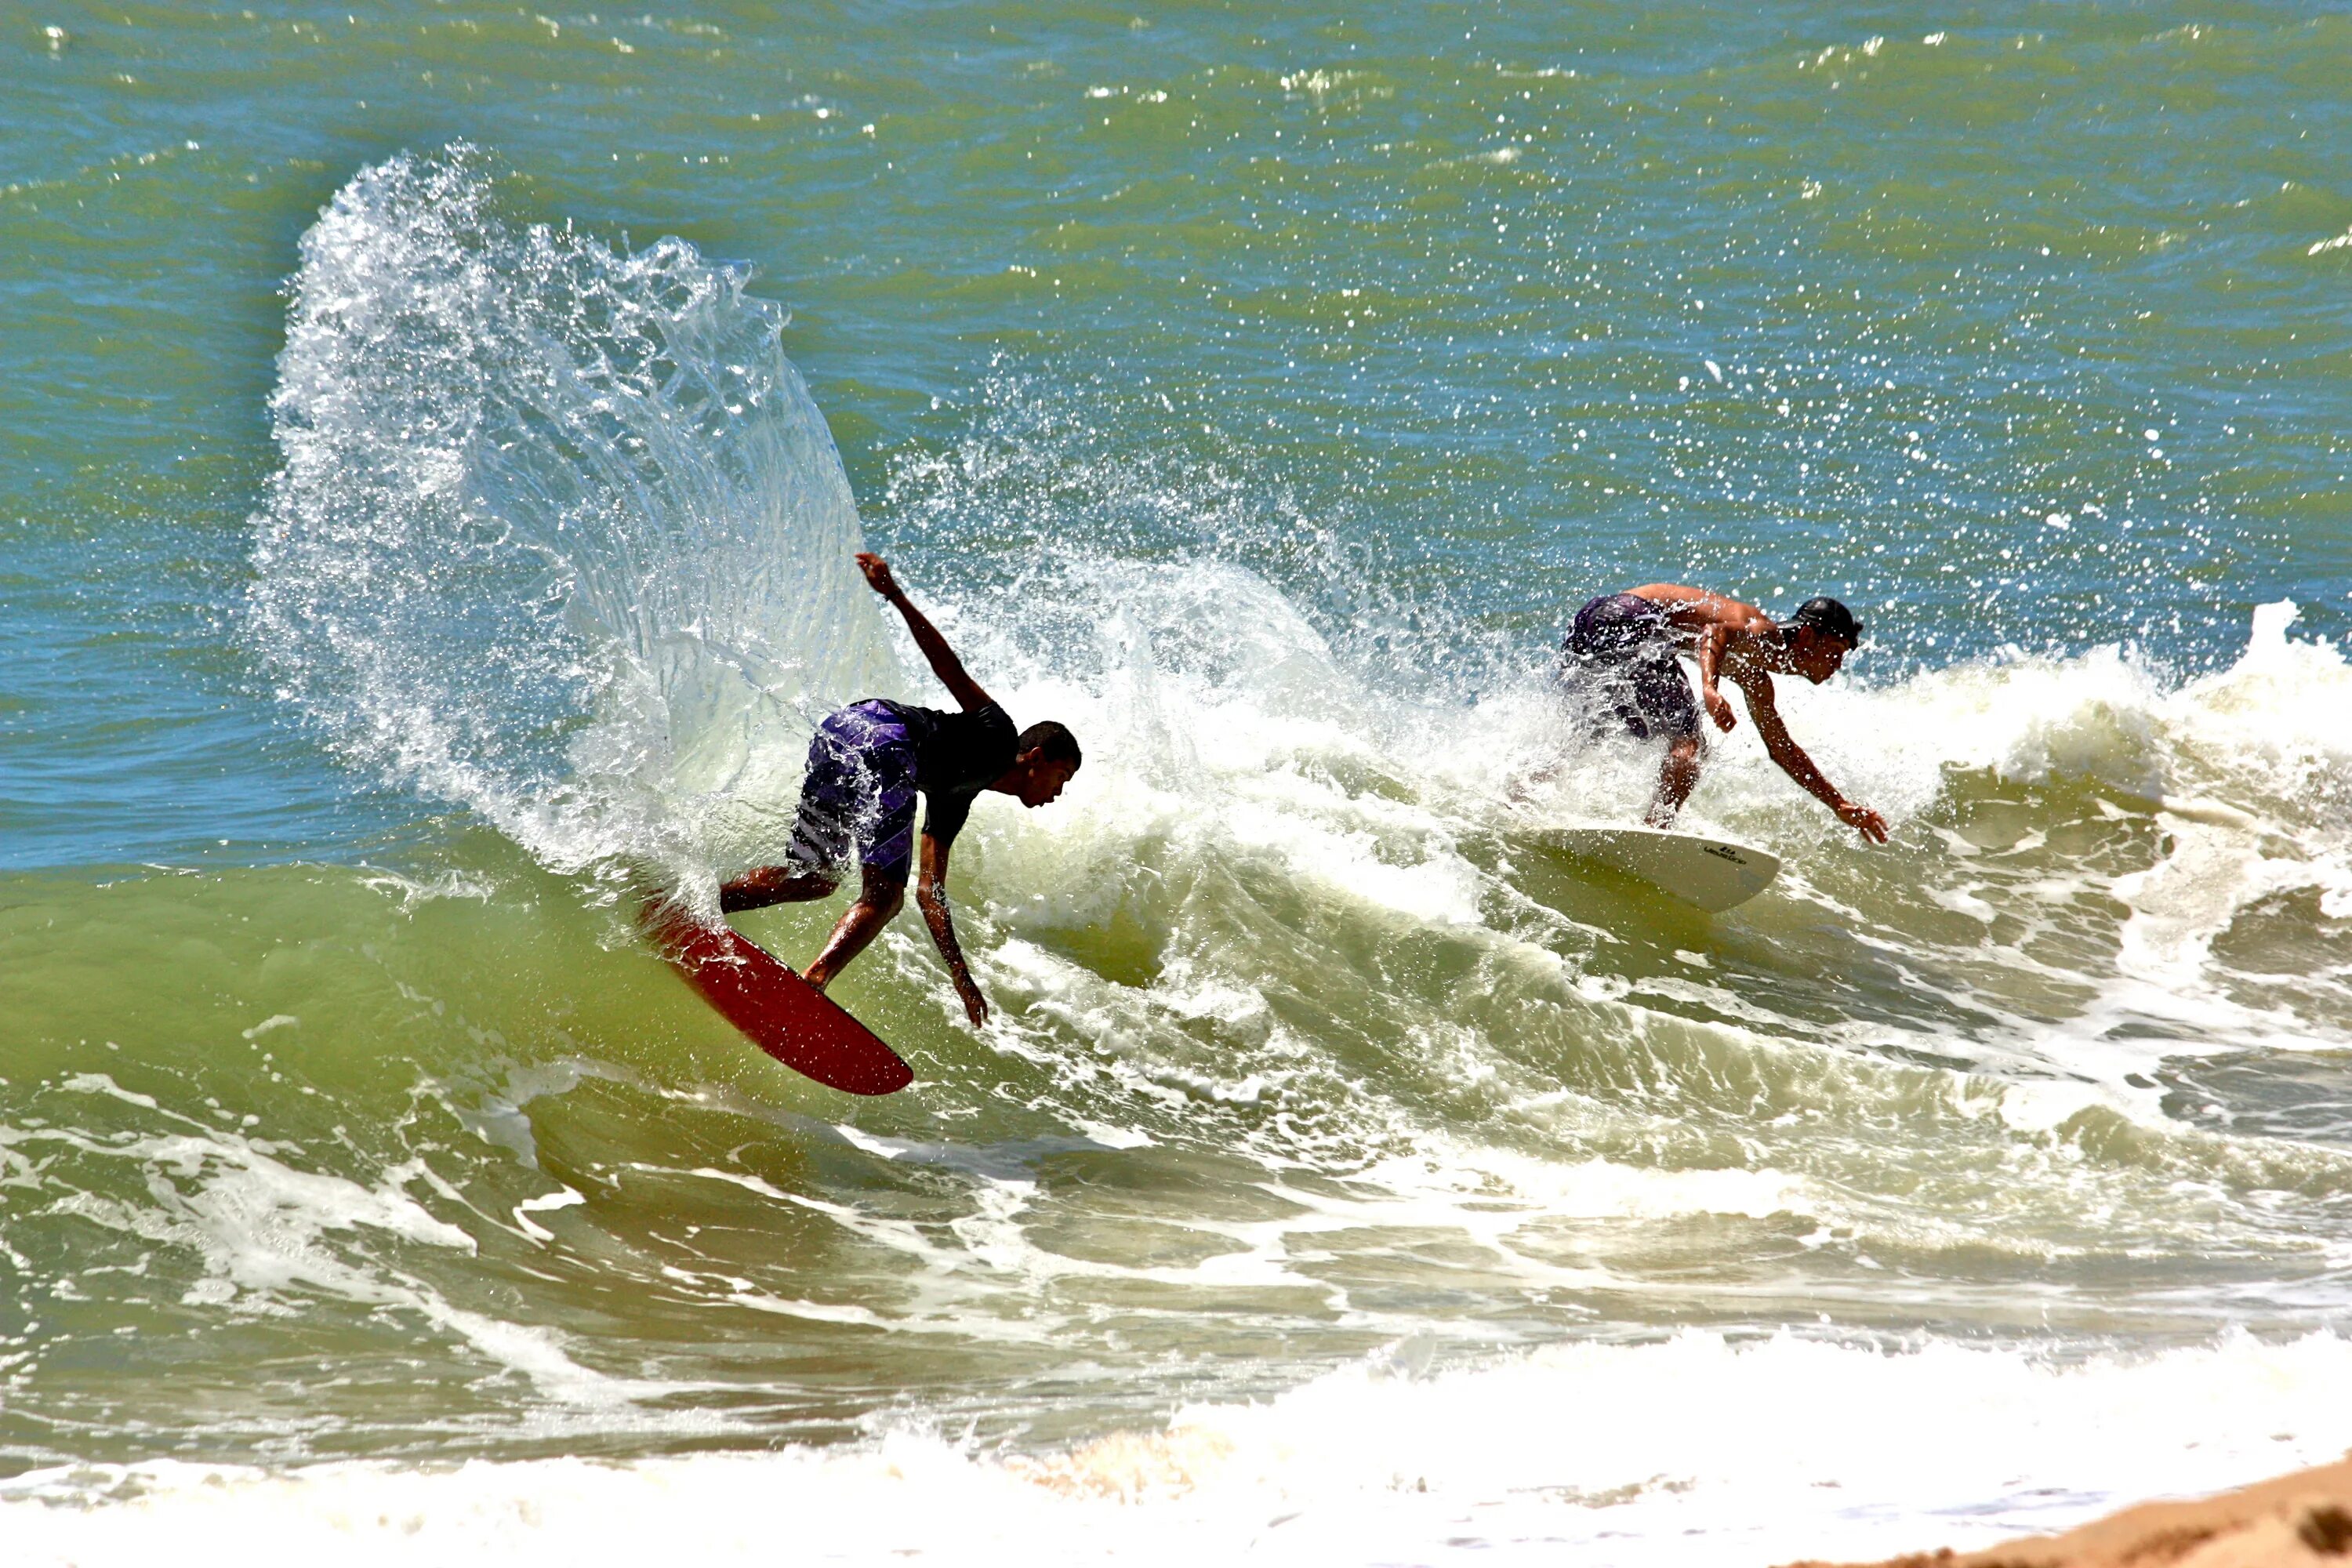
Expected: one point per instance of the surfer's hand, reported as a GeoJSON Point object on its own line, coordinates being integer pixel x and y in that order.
{"type": "Point", "coordinates": [877, 574]}
{"type": "Point", "coordinates": [1718, 708]}
{"type": "Point", "coordinates": [1862, 820]}
{"type": "Point", "coordinates": [975, 1005]}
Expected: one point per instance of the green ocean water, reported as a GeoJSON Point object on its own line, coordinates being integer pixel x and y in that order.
{"type": "Point", "coordinates": [435, 437]}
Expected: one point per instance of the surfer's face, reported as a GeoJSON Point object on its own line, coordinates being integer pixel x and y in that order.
{"type": "Point", "coordinates": [1815, 656]}
{"type": "Point", "coordinates": [1035, 780]}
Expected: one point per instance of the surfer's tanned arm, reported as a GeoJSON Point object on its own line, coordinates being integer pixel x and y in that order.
{"type": "Point", "coordinates": [943, 660]}
{"type": "Point", "coordinates": [932, 898]}
{"type": "Point", "coordinates": [1712, 641]}
{"type": "Point", "coordinates": [1784, 749]}
{"type": "Point", "coordinates": [1713, 622]}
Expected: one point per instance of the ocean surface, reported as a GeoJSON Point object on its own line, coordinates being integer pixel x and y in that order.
{"type": "Point", "coordinates": [433, 437]}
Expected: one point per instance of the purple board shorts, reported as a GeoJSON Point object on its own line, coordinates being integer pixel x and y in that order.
{"type": "Point", "coordinates": [1619, 654]}
{"type": "Point", "coordinates": [860, 792]}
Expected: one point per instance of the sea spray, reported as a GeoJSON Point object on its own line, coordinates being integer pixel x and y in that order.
{"type": "Point", "coordinates": [559, 534]}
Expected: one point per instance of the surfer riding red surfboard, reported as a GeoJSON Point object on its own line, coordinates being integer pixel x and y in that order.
{"type": "Point", "coordinates": [867, 763]}
{"type": "Point", "coordinates": [1621, 655]}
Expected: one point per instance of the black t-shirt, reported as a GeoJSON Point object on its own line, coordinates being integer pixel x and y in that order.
{"type": "Point", "coordinates": [957, 755]}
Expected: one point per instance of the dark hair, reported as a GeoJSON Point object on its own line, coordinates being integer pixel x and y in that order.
{"type": "Point", "coordinates": [1057, 743]}
{"type": "Point", "coordinates": [1825, 615]}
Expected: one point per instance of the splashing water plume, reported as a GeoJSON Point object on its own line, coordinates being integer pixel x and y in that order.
{"type": "Point", "coordinates": [560, 534]}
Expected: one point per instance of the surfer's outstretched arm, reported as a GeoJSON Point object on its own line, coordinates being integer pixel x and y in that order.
{"type": "Point", "coordinates": [943, 660]}
{"type": "Point", "coordinates": [878, 898]}
{"type": "Point", "coordinates": [1784, 750]}
{"type": "Point", "coordinates": [932, 898]}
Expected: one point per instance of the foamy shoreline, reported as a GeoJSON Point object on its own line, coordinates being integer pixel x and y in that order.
{"type": "Point", "coordinates": [720, 1510]}
{"type": "Point", "coordinates": [1695, 1452]}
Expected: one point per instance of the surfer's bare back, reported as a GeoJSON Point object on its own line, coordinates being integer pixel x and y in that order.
{"type": "Point", "coordinates": [1622, 653]}
{"type": "Point", "coordinates": [865, 766]}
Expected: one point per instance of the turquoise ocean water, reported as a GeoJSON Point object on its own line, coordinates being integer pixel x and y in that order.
{"type": "Point", "coordinates": [435, 437]}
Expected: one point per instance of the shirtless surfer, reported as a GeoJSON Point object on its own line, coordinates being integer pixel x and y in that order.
{"type": "Point", "coordinates": [1621, 654]}
{"type": "Point", "coordinates": [866, 765]}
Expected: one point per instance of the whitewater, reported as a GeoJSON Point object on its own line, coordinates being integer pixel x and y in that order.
{"type": "Point", "coordinates": [1339, 1179]}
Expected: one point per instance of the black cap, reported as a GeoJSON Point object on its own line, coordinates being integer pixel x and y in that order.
{"type": "Point", "coordinates": [1827, 616]}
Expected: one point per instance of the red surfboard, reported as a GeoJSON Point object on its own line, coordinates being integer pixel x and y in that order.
{"type": "Point", "coordinates": [783, 1014]}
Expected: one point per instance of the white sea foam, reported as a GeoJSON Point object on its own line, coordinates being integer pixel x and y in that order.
{"type": "Point", "coordinates": [258, 1223]}
{"type": "Point", "coordinates": [1694, 1451]}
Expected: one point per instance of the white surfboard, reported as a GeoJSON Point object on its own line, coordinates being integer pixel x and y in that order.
{"type": "Point", "coordinates": [1711, 874]}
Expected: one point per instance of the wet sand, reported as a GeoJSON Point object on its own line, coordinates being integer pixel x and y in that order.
{"type": "Point", "coordinates": [2299, 1521]}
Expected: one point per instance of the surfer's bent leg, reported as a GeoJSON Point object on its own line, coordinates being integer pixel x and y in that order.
{"type": "Point", "coordinates": [884, 830]}
{"type": "Point", "coordinates": [885, 846]}
{"type": "Point", "coordinates": [1676, 779]}
{"type": "Point", "coordinates": [1611, 660]}
{"type": "Point", "coordinates": [1621, 654]}
{"type": "Point", "coordinates": [836, 794]}
{"type": "Point", "coordinates": [878, 898]}
{"type": "Point", "coordinates": [1663, 693]}
{"type": "Point", "coordinates": [756, 889]}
